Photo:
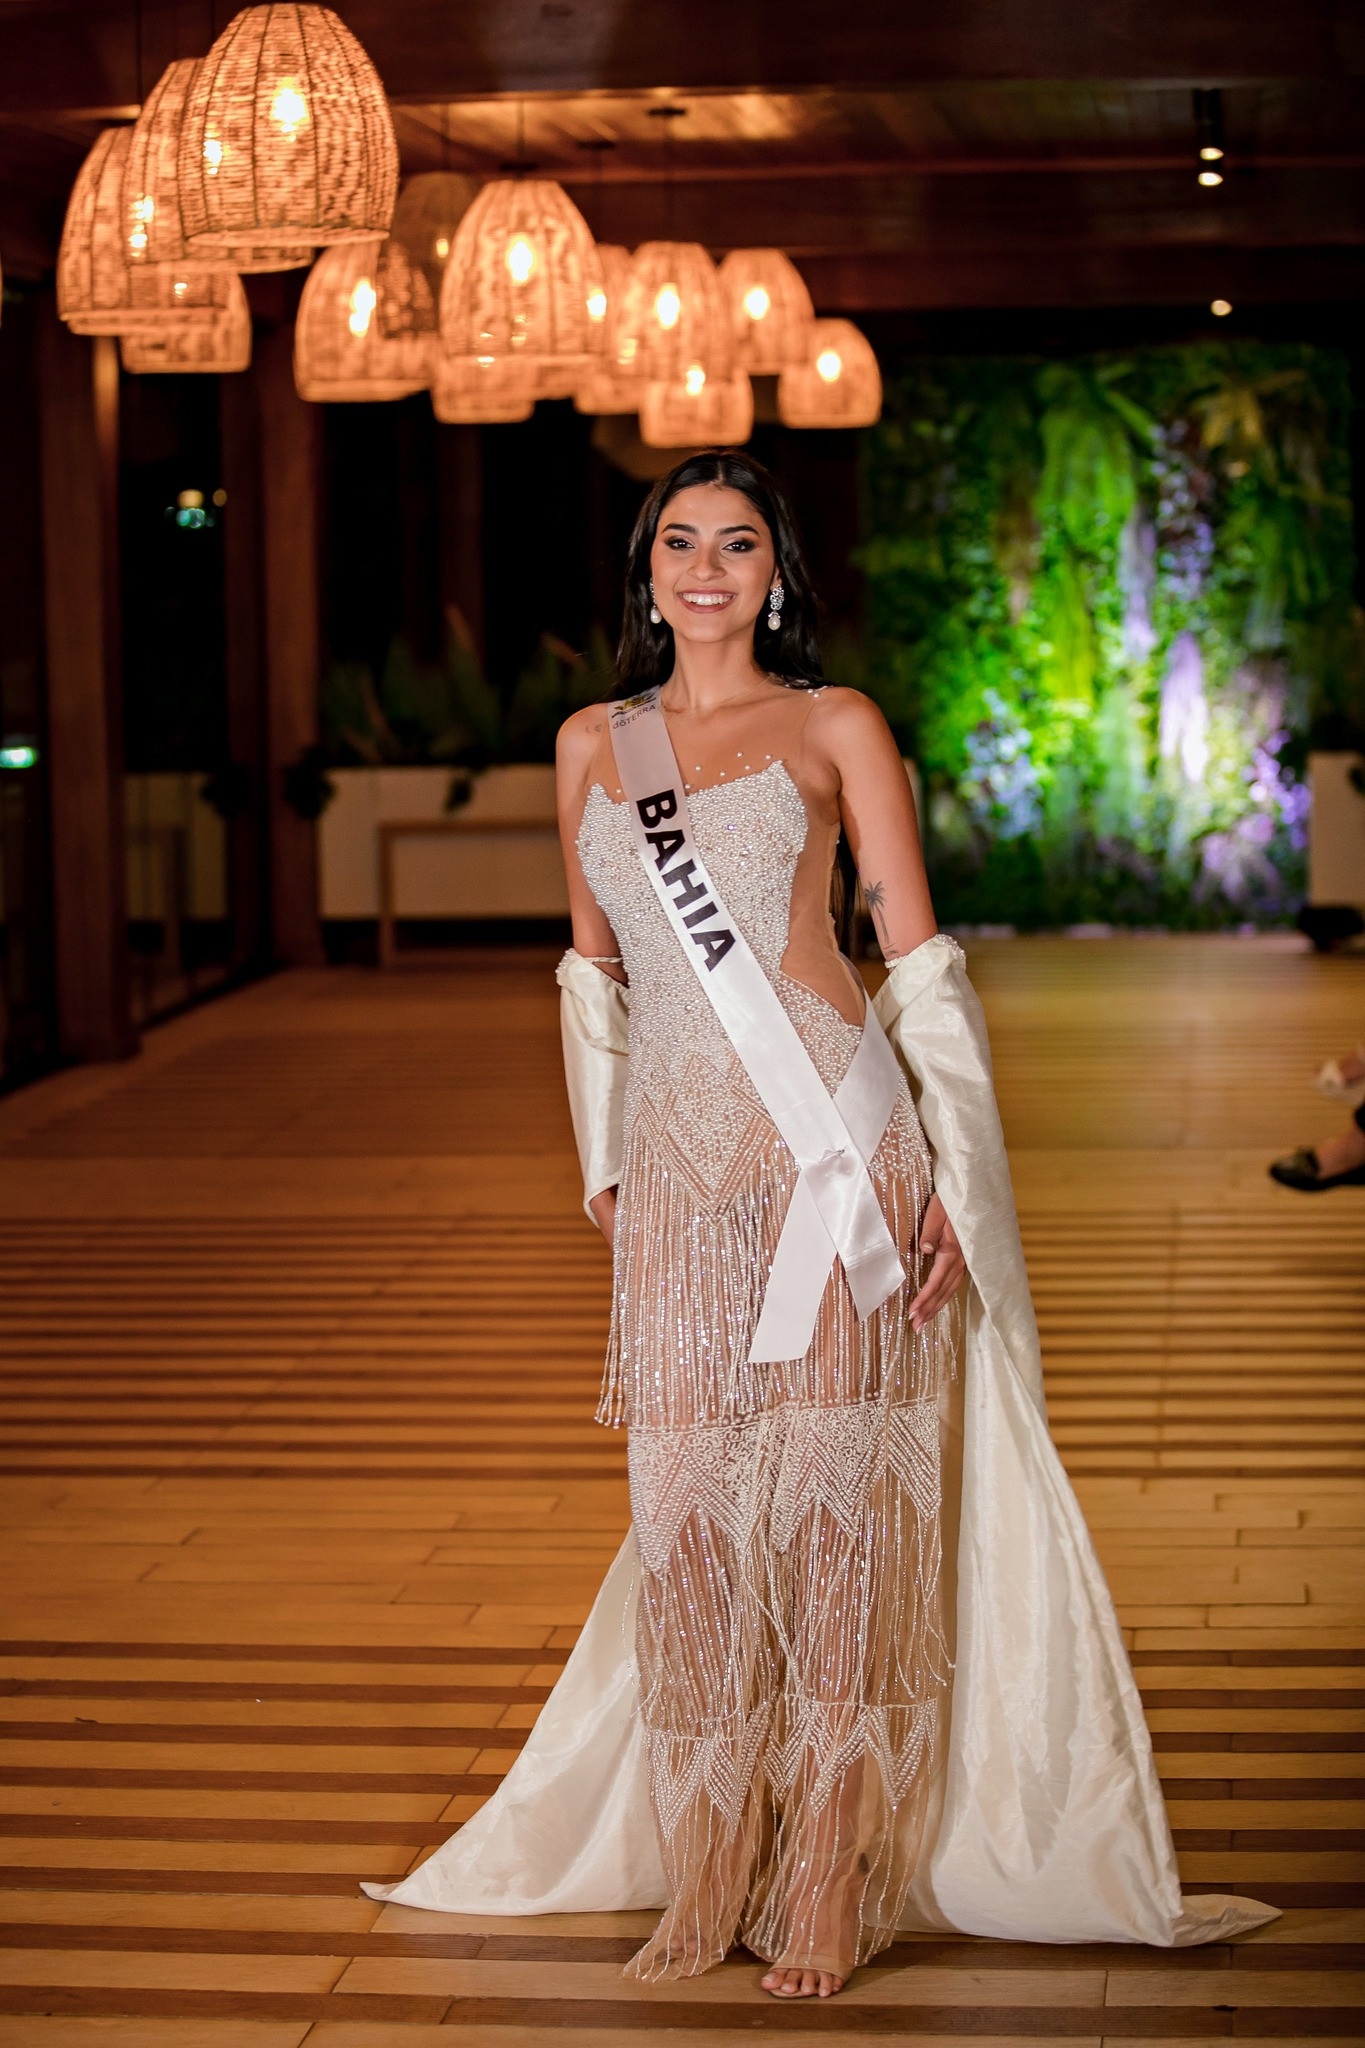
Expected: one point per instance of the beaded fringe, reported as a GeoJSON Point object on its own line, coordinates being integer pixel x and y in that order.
{"type": "Point", "coordinates": [689, 1287]}
{"type": "Point", "coordinates": [790, 1647]}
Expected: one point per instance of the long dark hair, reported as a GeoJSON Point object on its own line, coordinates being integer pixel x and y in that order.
{"type": "Point", "coordinates": [644, 656]}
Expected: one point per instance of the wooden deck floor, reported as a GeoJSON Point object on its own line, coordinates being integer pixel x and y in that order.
{"type": "Point", "coordinates": [300, 1329]}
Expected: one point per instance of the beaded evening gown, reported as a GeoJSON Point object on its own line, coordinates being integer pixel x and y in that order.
{"type": "Point", "coordinates": [791, 1658]}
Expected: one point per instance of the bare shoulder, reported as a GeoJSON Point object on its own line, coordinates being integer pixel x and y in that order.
{"type": "Point", "coordinates": [579, 735]}
{"type": "Point", "coordinates": [850, 727]}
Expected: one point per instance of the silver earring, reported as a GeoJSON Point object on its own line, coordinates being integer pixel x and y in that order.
{"type": "Point", "coordinates": [656, 617]}
{"type": "Point", "coordinates": [776, 599]}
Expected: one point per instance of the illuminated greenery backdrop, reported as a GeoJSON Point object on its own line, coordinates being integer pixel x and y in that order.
{"type": "Point", "coordinates": [1109, 601]}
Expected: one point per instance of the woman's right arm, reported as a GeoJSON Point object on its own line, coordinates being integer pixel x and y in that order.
{"type": "Point", "coordinates": [593, 937]}
{"type": "Point", "coordinates": [578, 742]}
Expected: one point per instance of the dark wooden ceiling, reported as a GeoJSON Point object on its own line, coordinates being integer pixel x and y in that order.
{"type": "Point", "coordinates": [987, 152]}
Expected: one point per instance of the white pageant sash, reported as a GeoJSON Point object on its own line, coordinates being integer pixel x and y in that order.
{"type": "Point", "coordinates": [834, 1207]}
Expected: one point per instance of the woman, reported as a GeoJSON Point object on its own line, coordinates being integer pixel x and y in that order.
{"type": "Point", "coordinates": [835, 1736]}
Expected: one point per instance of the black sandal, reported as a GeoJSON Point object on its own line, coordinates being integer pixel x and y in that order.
{"type": "Point", "coordinates": [1301, 1170]}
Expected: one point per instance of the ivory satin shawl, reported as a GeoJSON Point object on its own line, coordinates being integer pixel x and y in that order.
{"type": "Point", "coordinates": [1050, 1824]}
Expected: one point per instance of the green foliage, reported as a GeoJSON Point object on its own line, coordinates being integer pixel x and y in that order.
{"type": "Point", "coordinates": [1109, 601]}
{"type": "Point", "coordinates": [449, 711]}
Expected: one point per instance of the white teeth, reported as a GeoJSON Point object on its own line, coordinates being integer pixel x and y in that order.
{"type": "Point", "coordinates": [708, 598]}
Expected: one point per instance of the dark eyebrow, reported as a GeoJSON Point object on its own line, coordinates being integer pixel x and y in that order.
{"type": "Point", "coordinates": [681, 526]}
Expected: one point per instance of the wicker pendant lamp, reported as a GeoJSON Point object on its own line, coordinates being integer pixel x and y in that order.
{"type": "Point", "coordinates": [671, 315]}
{"type": "Point", "coordinates": [697, 410]}
{"type": "Point", "coordinates": [98, 290]}
{"type": "Point", "coordinates": [340, 354]}
{"type": "Point", "coordinates": [219, 347]}
{"type": "Point", "coordinates": [603, 389]}
{"type": "Point", "coordinates": [837, 385]}
{"type": "Point", "coordinates": [286, 136]}
{"type": "Point", "coordinates": [468, 392]}
{"type": "Point", "coordinates": [770, 309]}
{"type": "Point", "coordinates": [407, 307]}
{"type": "Point", "coordinates": [412, 263]}
{"type": "Point", "coordinates": [522, 270]}
{"type": "Point", "coordinates": [151, 188]}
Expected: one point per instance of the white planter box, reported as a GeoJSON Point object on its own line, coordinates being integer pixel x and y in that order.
{"type": "Point", "coordinates": [1336, 832]}
{"type": "Point", "coordinates": [516, 872]}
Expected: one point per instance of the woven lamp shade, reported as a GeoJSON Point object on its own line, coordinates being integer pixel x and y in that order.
{"type": "Point", "coordinates": [407, 307]}
{"type": "Point", "coordinates": [603, 389]}
{"type": "Point", "coordinates": [412, 263]}
{"type": "Point", "coordinates": [98, 290]}
{"type": "Point", "coordinates": [286, 136]}
{"type": "Point", "coordinates": [770, 309]}
{"type": "Point", "coordinates": [697, 411]}
{"type": "Point", "coordinates": [671, 315]}
{"type": "Point", "coordinates": [219, 347]}
{"type": "Point", "coordinates": [151, 188]}
{"type": "Point", "coordinates": [521, 271]}
{"type": "Point", "coordinates": [340, 354]}
{"type": "Point", "coordinates": [467, 392]}
{"type": "Point", "coordinates": [837, 385]}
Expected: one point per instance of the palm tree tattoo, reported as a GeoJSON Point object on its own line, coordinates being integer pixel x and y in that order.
{"type": "Point", "coordinates": [875, 895]}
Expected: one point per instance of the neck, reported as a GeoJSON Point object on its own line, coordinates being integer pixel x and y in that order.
{"type": "Point", "coordinates": [710, 676]}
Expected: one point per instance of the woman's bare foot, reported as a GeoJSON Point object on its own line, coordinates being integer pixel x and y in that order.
{"type": "Point", "coordinates": [801, 1983]}
{"type": "Point", "coordinates": [1339, 1154]}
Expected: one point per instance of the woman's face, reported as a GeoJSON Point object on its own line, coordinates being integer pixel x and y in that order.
{"type": "Point", "coordinates": [712, 563]}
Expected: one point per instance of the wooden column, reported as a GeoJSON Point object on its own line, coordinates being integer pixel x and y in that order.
{"type": "Point", "coordinates": [291, 441]}
{"type": "Point", "coordinates": [79, 443]}
{"type": "Point", "coordinates": [459, 460]}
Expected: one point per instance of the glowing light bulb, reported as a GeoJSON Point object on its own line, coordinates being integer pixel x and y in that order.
{"type": "Point", "coordinates": [1220, 308]}
{"type": "Point", "coordinates": [364, 299]}
{"type": "Point", "coordinates": [756, 302]}
{"type": "Point", "coordinates": [521, 259]}
{"type": "Point", "coordinates": [694, 380]}
{"type": "Point", "coordinates": [180, 287]}
{"type": "Point", "coordinates": [190, 501]}
{"type": "Point", "coordinates": [1211, 153]}
{"type": "Point", "coordinates": [141, 211]}
{"type": "Point", "coordinates": [667, 306]}
{"type": "Point", "coordinates": [1210, 177]}
{"type": "Point", "coordinates": [289, 109]}
{"type": "Point", "coordinates": [213, 155]}
{"type": "Point", "coordinates": [442, 248]}
{"type": "Point", "coordinates": [597, 305]}
{"type": "Point", "coordinates": [829, 365]}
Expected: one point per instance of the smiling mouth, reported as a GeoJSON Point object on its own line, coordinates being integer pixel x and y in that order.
{"type": "Point", "coordinates": [706, 600]}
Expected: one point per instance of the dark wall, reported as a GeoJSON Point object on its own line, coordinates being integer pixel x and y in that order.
{"type": "Point", "coordinates": [174, 675]}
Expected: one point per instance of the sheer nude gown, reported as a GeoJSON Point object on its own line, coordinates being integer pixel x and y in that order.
{"type": "Point", "coordinates": [792, 1663]}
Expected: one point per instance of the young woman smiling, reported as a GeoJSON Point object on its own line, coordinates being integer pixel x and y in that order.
{"type": "Point", "coordinates": [876, 1679]}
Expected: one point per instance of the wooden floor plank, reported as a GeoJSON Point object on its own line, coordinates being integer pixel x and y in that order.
{"type": "Point", "coordinates": [300, 1332]}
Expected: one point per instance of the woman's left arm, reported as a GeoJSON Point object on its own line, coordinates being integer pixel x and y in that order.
{"type": "Point", "coordinates": [878, 815]}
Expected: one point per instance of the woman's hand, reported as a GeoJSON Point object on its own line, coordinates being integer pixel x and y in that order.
{"type": "Point", "coordinates": [938, 1240]}
{"type": "Point", "coordinates": [603, 1209]}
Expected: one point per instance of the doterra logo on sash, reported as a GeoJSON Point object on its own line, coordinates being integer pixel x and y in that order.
{"type": "Point", "coordinates": [834, 1208]}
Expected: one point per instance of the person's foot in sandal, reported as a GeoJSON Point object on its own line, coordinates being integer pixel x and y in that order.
{"type": "Point", "coordinates": [1336, 1163]}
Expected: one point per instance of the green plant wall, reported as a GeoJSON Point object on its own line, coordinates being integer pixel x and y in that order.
{"type": "Point", "coordinates": [1109, 602]}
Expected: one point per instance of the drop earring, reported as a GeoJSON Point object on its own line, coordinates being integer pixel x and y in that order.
{"type": "Point", "coordinates": [656, 617]}
{"type": "Point", "coordinates": [776, 599]}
